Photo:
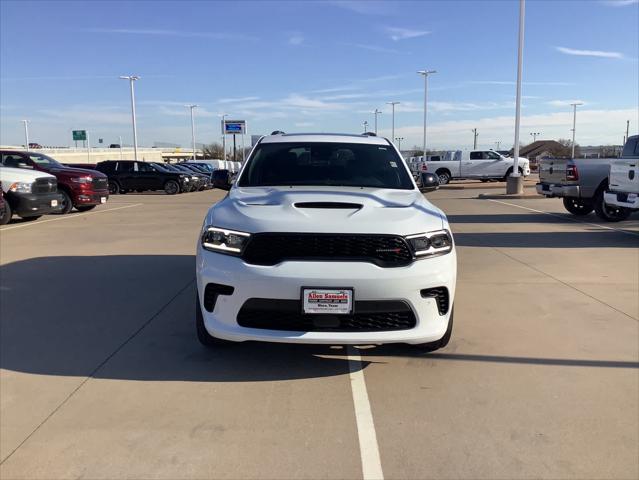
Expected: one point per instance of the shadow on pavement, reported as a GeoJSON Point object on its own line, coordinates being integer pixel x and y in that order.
{"type": "Point", "coordinates": [131, 318]}
{"type": "Point", "coordinates": [576, 239]}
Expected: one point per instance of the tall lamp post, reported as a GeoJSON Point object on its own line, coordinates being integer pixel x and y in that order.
{"type": "Point", "coordinates": [26, 134]}
{"type": "Point", "coordinates": [425, 73]}
{"type": "Point", "coordinates": [574, 124]}
{"type": "Point", "coordinates": [534, 135]}
{"type": "Point", "coordinates": [376, 112]}
{"type": "Point", "coordinates": [192, 107]}
{"type": "Point", "coordinates": [515, 183]}
{"type": "Point", "coordinates": [131, 79]}
{"type": "Point", "coordinates": [365, 126]}
{"type": "Point", "coordinates": [224, 115]}
{"type": "Point", "coordinates": [399, 143]}
{"type": "Point", "coordinates": [392, 104]}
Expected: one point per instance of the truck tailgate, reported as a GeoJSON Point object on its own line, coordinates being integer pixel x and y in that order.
{"type": "Point", "coordinates": [553, 171]}
{"type": "Point", "coordinates": [624, 176]}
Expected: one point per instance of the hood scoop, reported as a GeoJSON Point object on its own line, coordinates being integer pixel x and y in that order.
{"type": "Point", "coordinates": [329, 205]}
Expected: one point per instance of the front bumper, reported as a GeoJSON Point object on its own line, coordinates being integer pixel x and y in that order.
{"type": "Point", "coordinates": [552, 190]}
{"type": "Point", "coordinates": [34, 204]}
{"type": "Point", "coordinates": [622, 199]}
{"type": "Point", "coordinates": [284, 281]}
{"type": "Point", "coordinates": [90, 197]}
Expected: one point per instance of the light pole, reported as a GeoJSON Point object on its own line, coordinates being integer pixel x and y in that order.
{"type": "Point", "coordinates": [515, 182]}
{"type": "Point", "coordinates": [131, 79]}
{"type": "Point", "coordinates": [534, 135]}
{"type": "Point", "coordinates": [192, 107]}
{"type": "Point", "coordinates": [392, 104]}
{"type": "Point", "coordinates": [475, 135]}
{"type": "Point", "coordinates": [399, 143]}
{"type": "Point", "coordinates": [224, 115]}
{"type": "Point", "coordinates": [376, 112]}
{"type": "Point", "coordinates": [425, 73]}
{"type": "Point", "coordinates": [120, 139]}
{"type": "Point", "coordinates": [498, 143]}
{"type": "Point", "coordinates": [365, 126]}
{"type": "Point", "coordinates": [26, 134]}
{"type": "Point", "coordinates": [574, 124]}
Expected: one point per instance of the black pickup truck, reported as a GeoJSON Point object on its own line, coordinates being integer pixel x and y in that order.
{"type": "Point", "coordinates": [129, 175]}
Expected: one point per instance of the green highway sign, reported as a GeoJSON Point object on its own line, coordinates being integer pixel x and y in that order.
{"type": "Point", "coordinates": [79, 135]}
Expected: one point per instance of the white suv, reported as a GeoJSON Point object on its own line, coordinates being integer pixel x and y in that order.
{"type": "Point", "coordinates": [326, 239]}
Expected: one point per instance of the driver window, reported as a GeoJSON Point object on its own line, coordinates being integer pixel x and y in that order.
{"type": "Point", "coordinates": [143, 167]}
{"type": "Point", "coordinates": [491, 156]}
{"type": "Point", "coordinates": [476, 155]}
{"type": "Point", "coordinates": [13, 161]}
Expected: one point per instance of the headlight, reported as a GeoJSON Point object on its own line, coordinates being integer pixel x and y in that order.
{"type": "Point", "coordinates": [432, 243]}
{"type": "Point", "coordinates": [82, 180]}
{"type": "Point", "coordinates": [224, 241]}
{"type": "Point", "coordinates": [184, 177]}
{"type": "Point", "coordinates": [21, 187]}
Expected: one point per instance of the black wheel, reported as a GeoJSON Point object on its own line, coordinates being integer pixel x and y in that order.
{"type": "Point", "coordinates": [85, 208]}
{"type": "Point", "coordinates": [443, 176]}
{"type": "Point", "coordinates": [578, 206]}
{"type": "Point", "coordinates": [171, 187]}
{"type": "Point", "coordinates": [5, 213]}
{"type": "Point", "coordinates": [203, 335]}
{"type": "Point", "coordinates": [66, 204]}
{"type": "Point", "coordinates": [442, 342]}
{"type": "Point", "coordinates": [31, 219]}
{"type": "Point", "coordinates": [609, 213]}
{"type": "Point", "coordinates": [114, 188]}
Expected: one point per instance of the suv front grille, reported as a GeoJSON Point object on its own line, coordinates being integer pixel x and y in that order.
{"type": "Point", "coordinates": [100, 183]}
{"type": "Point", "coordinates": [45, 185]}
{"type": "Point", "coordinates": [273, 248]}
{"type": "Point", "coordinates": [369, 316]}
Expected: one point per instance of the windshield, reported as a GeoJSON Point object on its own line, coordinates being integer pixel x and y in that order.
{"type": "Point", "coordinates": [44, 161]}
{"type": "Point", "coordinates": [324, 164]}
{"type": "Point", "coordinates": [159, 167]}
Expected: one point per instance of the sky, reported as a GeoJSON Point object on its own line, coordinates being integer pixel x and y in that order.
{"type": "Point", "coordinates": [318, 66]}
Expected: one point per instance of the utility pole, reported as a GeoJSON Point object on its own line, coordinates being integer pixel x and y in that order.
{"type": "Point", "coordinates": [224, 115]}
{"type": "Point", "coordinates": [627, 131]}
{"type": "Point", "coordinates": [392, 104]}
{"type": "Point", "coordinates": [534, 135]}
{"type": "Point", "coordinates": [399, 143]}
{"type": "Point", "coordinates": [475, 135]}
{"type": "Point", "coordinates": [234, 149]}
{"type": "Point", "coordinates": [515, 183]}
{"type": "Point", "coordinates": [26, 134]}
{"type": "Point", "coordinates": [131, 79]}
{"type": "Point", "coordinates": [365, 125]}
{"type": "Point", "coordinates": [425, 73]}
{"type": "Point", "coordinates": [192, 107]}
{"type": "Point", "coordinates": [120, 139]}
{"type": "Point", "coordinates": [376, 112]}
{"type": "Point", "coordinates": [574, 125]}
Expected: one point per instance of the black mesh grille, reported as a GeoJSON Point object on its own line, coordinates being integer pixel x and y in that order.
{"type": "Point", "coordinates": [273, 248]}
{"type": "Point", "coordinates": [369, 316]}
{"type": "Point", "coordinates": [100, 183]}
{"type": "Point", "coordinates": [45, 185]}
{"type": "Point", "coordinates": [440, 294]}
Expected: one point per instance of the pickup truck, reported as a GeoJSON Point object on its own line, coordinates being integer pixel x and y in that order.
{"type": "Point", "coordinates": [80, 188]}
{"type": "Point", "coordinates": [28, 193]}
{"type": "Point", "coordinates": [582, 183]}
{"type": "Point", "coordinates": [624, 178]}
{"type": "Point", "coordinates": [475, 164]}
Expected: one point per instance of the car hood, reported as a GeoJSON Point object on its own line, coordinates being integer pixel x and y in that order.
{"type": "Point", "coordinates": [76, 172]}
{"type": "Point", "coordinates": [326, 210]}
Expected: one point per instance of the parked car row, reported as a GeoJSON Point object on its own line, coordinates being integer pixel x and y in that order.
{"type": "Point", "coordinates": [609, 186]}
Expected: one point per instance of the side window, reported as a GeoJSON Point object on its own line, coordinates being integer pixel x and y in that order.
{"type": "Point", "coordinates": [631, 148]}
{"type": "Point", "coordinates": [144, 167]}
{"type": "Point", "coordinates": [124, 167]}
{"type": "Point", "coordinates": [476, 156]}
{"type": "Point", "coordinates": [491, 156]}
{"type": "Point", "coordinates": [13, 160]}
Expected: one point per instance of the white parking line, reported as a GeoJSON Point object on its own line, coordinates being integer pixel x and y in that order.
{"type": "Point", "coordinates": [67, 217]}
{"type": "Point", "coordinates": [564, 217]}
{"type": "Point", "coordinates": [368, 448]}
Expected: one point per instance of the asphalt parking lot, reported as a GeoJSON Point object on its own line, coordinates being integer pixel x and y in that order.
{"type": "Point", "coordinates": [102, 375]}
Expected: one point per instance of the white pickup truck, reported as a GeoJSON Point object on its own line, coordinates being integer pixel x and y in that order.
{"type": "Point", "coordinates": [475, 164]}
{"type": "Point", "coordinates": [623, 181]}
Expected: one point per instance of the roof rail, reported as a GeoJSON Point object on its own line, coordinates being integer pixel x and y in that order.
{"type": "Point", "coordinates": [369, 134]}
{"type": "Point", "coordinates": [278, 132]}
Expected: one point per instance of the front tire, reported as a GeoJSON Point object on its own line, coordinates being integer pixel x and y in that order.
{"type": "Point", "coordinates": [442, 342]}
{"type": "Point", "coordinates": [5, 214]}
{"type": "Point", "coordinates": [171, 187]}
{"type": "Point", "coordinates": [609, 213]}
{"type": "Point", "coordinates": [66, 203]}
{"type": "Point", "coordinates": [203, 335]}
{"type": "Point", "coordinates": [443, 176]}
{"type": "Point", "coordinates": [114, 188]}
{"type": "Point", "coordinates": [578, 207]}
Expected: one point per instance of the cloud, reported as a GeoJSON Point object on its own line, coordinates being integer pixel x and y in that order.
{"type": "Point", "coordinates": [171, 33]}
{"type": "Point", "coordinates": [447, 107]}
{"type": "Point", "coordinates": [237, 99]}
{"type": "Point", "coordinates": [373, 48]}
{"type": "Point", "coordinates": [397, 33]}
{"type": "Point", "coordinates": [564, 103]}
{"type": "Point", "coordinates": [619, 3]}
{"type": "Point", "coordinates": [296, 39]}
{"type": "Point", "coordinates": [589, 53]}
{"type": "Point", "coordinates": [512, 82]}
{"type": "Point", "coordinates": [364, 7]}
{"type": "Point", "coordinates": [303, 124]}
{"type": "Point", "coordinates": [357, 84]}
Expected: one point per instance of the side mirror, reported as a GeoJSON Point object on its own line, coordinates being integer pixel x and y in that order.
{"type": "Point", "coordinates": [429, 182]}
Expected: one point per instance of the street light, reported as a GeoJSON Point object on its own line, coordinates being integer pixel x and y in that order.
{"type": "Point", "coordinates": [392, 104]}
{"type": "Point", "coordinates": [131, 79]}
{"type": "Point", "coordinates": [26, 134]}
{"type": "Point", "coordinates": [425, 73]}
{"type": "Point", "coordinates": [365, 126]}
{"type": "Point", "coordinates": [224, 115]}
{"type": "Point", "coordinates": [516, 185]}
{"type": "Point", "coordinates": [376, 112]}
{"type": "Point", "coordinates": [574, 124]}
{"type": "Point", "coordinates": [534, 135]}
{"type": "Point", "coordinates": [192, 107]}
{"type": "Point", "coordinates": [399, 143]}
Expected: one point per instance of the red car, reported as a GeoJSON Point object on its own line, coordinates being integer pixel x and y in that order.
{"type": "Point", "coordinates": [81, 188]}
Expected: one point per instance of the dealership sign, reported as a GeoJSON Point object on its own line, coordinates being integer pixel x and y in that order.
{"type": "Point", "coordinates": [234, 127]}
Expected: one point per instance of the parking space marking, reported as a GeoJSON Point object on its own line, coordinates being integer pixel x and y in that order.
{"type": "Point", "coordinates": [565, 217]}
{"type": "Point", "coordinates": [368, 447]}
{"type": "Point", "coordinates": [67, 217]}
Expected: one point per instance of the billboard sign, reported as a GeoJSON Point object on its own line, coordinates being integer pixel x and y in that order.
{"type": "Point", "coordinates": [234, 127]}
{"type": "Point", "coordinates": [79, 135]}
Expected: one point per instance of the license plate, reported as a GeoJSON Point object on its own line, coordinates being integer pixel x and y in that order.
{"type": "Point", "coordinates": [335, 301]}
{"type": "Point", "coordinates": [54, 203]}
{"type": "Point", "coordinates": [102, 199]}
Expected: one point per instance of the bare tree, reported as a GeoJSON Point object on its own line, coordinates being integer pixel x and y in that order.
{"type": "Point", "coordinates": [213, 150]}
